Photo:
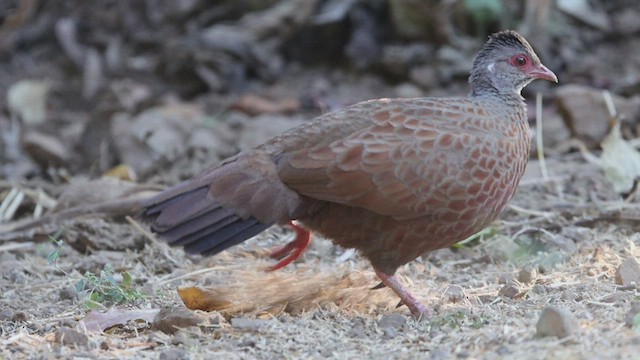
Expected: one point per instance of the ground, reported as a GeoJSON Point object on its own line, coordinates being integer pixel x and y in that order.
{"type": "Point", "coordinates": [567, 242]}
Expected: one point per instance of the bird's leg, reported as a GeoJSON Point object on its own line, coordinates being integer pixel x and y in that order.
{"type": "Point", "coordinates": [293, 249]}
{"type": "Point", "coordinates": [418, 310]}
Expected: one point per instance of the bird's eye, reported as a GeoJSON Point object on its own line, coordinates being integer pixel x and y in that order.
{"type": "Point", "coordinates": [519, 60]}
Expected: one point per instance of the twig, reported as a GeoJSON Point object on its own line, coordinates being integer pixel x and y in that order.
{"type": "Point", "coordinates": [539, 143]}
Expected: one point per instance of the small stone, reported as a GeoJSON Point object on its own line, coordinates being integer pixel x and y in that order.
{"type": "Point", "coordinates": [634, 310]}
{"type": "Point", "coordinates": [390, 332]}
{"type": "Point", "coordinates": [20, 316]}
{"type": "Point", "coordinates": [169, 320]}
{"type": "Point", "coordinates": [510, 290]}
{"type": "Point", "coordinates": [583, 108]}
{"type": "Point", "coordinates": [454, 293]}
{"type": "Point", "coordinates": [67, 336]}
{"type": "Point", "coordinates": [556, 322]}
{"type": "Point", "coordinates": [628, 273]}
{"type": "Point", "coordinates": [249, 324]}
{"type": "Point", "coordinates": [174, 354]}
{"type": "Point", "coordinates": [393, 320]}
{"type": "Point", "coordinates": [527, 274]}
{"type": "Point", "coordinates": [67, 293]}
{"type": "Point", "coordinates": [539, 289]}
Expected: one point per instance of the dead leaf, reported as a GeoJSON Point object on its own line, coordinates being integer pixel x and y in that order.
{"type": "Point", "coordinates": [96, 321]}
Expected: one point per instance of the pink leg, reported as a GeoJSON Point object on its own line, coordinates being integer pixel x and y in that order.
{"type": "Point", "coordinates": [292, 250]}
{"type": "Point", "coordinates": [418, 310]}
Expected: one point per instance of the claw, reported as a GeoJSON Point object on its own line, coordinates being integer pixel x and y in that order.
{"type": "Point", "coordinates": [379, 286]}
{"type": "Point", "coordinates": [417, 309]}
{"type": "Point", "coordinates": [294, 249]}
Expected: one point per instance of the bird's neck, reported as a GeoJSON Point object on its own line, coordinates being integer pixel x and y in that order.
{"type": "Point", "coordinates": [510, 97]}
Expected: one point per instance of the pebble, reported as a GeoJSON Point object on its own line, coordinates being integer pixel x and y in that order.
{"type": "Point", "coordinates": [556, 322]}
{"type": "Point", "coordinates": [68, 336]}
{"type": "Point", "coordinates": [171, 319]}
{"type": "Point", "coordinates": [628, 273]}
{"type": "Point", "coordinates": [454, 293]}
{"type": "Point", "coordinates": [583, 110]}
{"type": "Point", "coordinates": [391, 324]}
{"type": "Point", "coordinates": [527, 274]}
{"type": "Point", "coordinates": [510, 290]}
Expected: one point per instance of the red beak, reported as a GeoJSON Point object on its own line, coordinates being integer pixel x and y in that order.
{"type": "Point", "coordinates": [541, 72]}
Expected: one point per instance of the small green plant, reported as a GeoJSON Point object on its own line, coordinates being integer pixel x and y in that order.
{"type": "Point", "coordinates": [52, 259]}
{"type": "Point", "coordinates": [460, 319]}
{"type": "Point", "coordinates": [475, 238]}
{"type": "Point", "coordinates": [109, 288]}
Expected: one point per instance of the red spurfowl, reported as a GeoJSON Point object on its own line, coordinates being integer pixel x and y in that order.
{"type": "Point", "coordinates": [393, 178]}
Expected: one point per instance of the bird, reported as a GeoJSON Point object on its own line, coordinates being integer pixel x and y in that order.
{"type": "Point", "coordinates": [392, 178]}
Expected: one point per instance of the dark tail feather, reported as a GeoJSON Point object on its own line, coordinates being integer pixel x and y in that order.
{"type": "Point", "coordinates": [235, 234]}
{"type": "Point", "coordinates": [194, 219]}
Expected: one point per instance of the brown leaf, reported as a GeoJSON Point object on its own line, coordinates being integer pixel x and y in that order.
{"type": "Point", "coordinates": [96, 321]}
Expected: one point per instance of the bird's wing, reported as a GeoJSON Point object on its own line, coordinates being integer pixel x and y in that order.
{"type": "Point", "coordinates": [406, 163]}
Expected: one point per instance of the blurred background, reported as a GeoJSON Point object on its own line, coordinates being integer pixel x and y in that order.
{"type": "Point", "coordinates": [159, 88]}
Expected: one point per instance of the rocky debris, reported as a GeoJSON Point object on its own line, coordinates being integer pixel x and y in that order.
{"type": "Point", "coordinates": [171, 319]}
{"type": "Point", "coordinates": [510, 290]}
{"type": "Point", "coordinates": [391, 324]}
{"type": "Point", "coordinates": [161, 135]}
{"type": "Point", "coordinates": [628, 273]}
{"type": "Point", "coordinates": [556, 322]}
{"type": "Point", "coordinates": [454, 293]}
{"type": "Point", "coordinates": [527, 274]}
{"type": "Point", "coordinates": [585, 113]}
{"type": "Point", "coordinates": [66, 336]}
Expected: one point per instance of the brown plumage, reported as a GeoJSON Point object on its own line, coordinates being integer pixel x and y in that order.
{"type": "Point", "coordinates": [393, 178]}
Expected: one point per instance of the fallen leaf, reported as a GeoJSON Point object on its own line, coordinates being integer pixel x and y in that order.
{"type": "Point", "coordinates": [96, 321]}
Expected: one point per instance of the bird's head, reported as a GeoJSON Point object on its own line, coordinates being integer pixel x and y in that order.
{"type": "Point", "coordinates": [506, 64]}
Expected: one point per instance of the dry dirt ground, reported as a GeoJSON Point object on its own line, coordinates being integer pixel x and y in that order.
{"type": "Point", "coordinates": [560, 244]}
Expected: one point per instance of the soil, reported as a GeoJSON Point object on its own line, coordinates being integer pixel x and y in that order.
{"type": "Point", "coordinates": [568, 241]}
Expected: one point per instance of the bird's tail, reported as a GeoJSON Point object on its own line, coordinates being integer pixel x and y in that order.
{"type": "Point", "coordinates": [192, 218]}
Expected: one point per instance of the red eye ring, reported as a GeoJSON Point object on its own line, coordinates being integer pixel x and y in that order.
{"type": "Point", "coordinates": [519, 60]}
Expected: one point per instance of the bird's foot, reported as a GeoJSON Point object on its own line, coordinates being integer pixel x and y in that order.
{"type": "Point", "coordinates": [418, 310]}
{"type": "Point", "coordinates": [294, 249]}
